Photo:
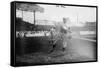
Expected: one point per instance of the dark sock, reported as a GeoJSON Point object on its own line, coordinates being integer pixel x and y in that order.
{"type": "Point", "coordinates": [63, 49]}
{"type": "Point", "coordinates": [53, 48]}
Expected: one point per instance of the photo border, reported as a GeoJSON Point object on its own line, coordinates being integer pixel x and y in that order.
{"type": "Point", "coordinates": [13, 33]}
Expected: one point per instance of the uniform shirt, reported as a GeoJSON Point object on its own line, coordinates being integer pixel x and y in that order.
{"type": "Point", "coordinates": [63, 29]}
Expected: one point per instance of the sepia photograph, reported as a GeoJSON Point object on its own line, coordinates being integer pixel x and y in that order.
{"type": "Point", "coordinates": [54, 34]}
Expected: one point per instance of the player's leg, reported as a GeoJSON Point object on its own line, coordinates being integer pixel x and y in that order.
{"type": "Point", "coordinates": [53, 48]}
{"type": "Point", "coordinates": [64, 43]}
{"type": "Point", "coordinates": [64, 46]}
